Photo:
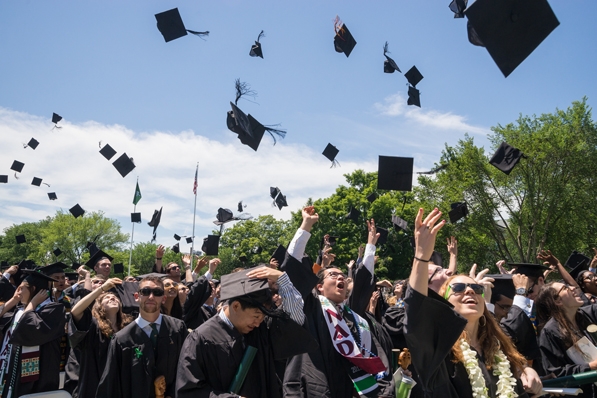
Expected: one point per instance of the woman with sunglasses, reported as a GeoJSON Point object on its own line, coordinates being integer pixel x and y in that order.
{"type": "Point", "coordinates": [457, 346]}
{"type": "Point", "coordinates": [563, 321]}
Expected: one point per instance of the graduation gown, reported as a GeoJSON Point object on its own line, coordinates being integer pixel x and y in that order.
{"type": "Point", "coordinates": [517, 325]}
{"type": "Point", "coordinates": [43, 328]}
{"type": "Point", "coordinates": [431, 328]}
{"type": "Point", "coordinates": [132, 366]}
{"type": "Point", "coordinates": [199, 292]}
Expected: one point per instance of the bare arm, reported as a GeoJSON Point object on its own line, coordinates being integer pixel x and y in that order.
{"type": "Point", "coordinates": [79, 308]}
{"type": "Point", "coordinates": [551, 260]}
{"type": "Point", "coordinates": [453, 250]}
{"type": "Point", "coordinates": [188, 274]}
{"type": "Point", "coordinates": [159, 253]}
{"type": "Point", "coordinates": [425, 233]}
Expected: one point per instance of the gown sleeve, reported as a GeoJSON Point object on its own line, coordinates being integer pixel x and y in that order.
{"type": "Point", "coordinates": [40, 327]}
{"type": "Point", "coordinates": [554, 353]}
{"type": "Point", "coordinates": [109, 385]}
{"type": "Point", "coordinates": [517, 325]}
{"type": "Point", "coordinates": [78, 330]}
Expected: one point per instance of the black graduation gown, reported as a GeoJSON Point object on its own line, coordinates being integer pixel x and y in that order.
{"type": "Point", "coordinates": [7, 290]}
{"type": "Point", "coordinates": [199, 292]}
{"type": "Point", "coordinates": [132, 367]}
{"type": "Point", "coordinates": [126, 293]}
{"type": "Point", "coordinates": [431, 328]}
{"type": "Point", "coordinates": [42, 328]}
{"type": "Point", "coordinates": [553, 349]}
{"type": "Point", "coordinates": [71, 369]}
{"type": "Point", "coordinates": [517, 325]}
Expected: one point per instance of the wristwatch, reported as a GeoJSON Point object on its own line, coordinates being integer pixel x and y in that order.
{"type": "Point", "coordinates": [521, 291]}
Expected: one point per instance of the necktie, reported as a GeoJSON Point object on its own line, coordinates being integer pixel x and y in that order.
{"type": "Point", "coordinates": [154, 334]}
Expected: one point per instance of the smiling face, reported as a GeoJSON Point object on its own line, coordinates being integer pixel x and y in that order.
{"type": "Point", "coordinates": [588, 282]}
{"type": "Point", "coordinates": [110, 303]}
{"type": "Point", "coordinates": [173, 270]}
{"type": "Point", "coordinates": [468, 303]}
{"type": "Point", "coordinates": [333, 286]}
{"type": "Point", "coordinates": [171, 288]}
{"type": "Point", "coordinates": [567, 296]}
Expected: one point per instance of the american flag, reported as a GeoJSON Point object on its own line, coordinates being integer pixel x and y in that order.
{"type": "Point", "coordinates": [195, 183]}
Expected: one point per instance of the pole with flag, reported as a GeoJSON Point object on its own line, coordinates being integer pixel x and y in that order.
{"type": "Point", "coordinates": [194, 212]}
{"type": "Point", "coordinates": [136, 200]}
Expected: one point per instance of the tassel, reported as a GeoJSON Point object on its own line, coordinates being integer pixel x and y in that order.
{"type": "Point", "coordinates": [334, 164]}
{"type": "Point", "coordinates": [260, 36]}
{"type": "Point", "coordinates": [16, 176]}
{"type": "Point", "coordinates": [46, 184]}
{"type": "Point", "coordinates": [385, 49]}
{"type": "Point", "coordinates": [278, 132]}
{"type": "Point", "coordinates": [199, 34]}
{"type": "Point", "coordinates": [243, 88]}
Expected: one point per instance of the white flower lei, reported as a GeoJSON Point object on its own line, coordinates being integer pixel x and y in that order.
{"type": "Point", "coordinates": [505, 384]}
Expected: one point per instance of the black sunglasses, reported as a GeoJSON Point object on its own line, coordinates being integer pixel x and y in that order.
{"type": "Point", "coordinates": [147, 291]}
{"type": "Point", "coordinates": [458, 288]}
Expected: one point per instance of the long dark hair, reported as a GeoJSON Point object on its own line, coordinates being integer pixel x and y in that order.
{"type": "Point", "coordinates": [547, 308]}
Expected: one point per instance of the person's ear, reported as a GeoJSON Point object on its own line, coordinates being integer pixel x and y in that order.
{"type": "Point", "coordinates": [319, 287]}
{"type": "Point", "coordinates": [136, 295]}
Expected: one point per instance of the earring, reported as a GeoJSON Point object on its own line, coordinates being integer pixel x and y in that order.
{"type": "Point", "coordinates": [482, 324]}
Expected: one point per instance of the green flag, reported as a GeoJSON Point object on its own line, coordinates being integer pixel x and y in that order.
{"type": "Point", "coordinates": [138, 196]}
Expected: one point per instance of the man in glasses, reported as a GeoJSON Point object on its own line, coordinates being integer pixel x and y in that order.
{"type": "Point", "coordinates": [145, 349]}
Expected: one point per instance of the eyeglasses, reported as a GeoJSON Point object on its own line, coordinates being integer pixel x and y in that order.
{"type": "Point", "coordinates": [589, 276]}
{"type": "Point", "coordinates": [505, 308]}
{"type": "Point", "coordinates": [570, 288]}
{"type": "Point", "coordinates": [459, 288]}
{"type": "Point", "coordinates": [147, 291]}
{"type": "Point", "coordinates": [437, 269]}
{"type": "Point", "coordinates": [170, 284]}
{"type": "Point", "coordinates": [335, 275]}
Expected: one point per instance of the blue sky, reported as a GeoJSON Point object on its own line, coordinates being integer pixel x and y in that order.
{"type": "Point", "coordinates": [106, 69]}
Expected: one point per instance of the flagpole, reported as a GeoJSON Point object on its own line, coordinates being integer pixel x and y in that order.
{"type": "Point", "coordinates": [194, 213]}
{"type": "Point", "coordinates": [133, 232]}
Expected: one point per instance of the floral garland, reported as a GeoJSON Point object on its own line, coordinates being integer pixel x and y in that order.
{"type": "Point", "coordinates": [506, 382]}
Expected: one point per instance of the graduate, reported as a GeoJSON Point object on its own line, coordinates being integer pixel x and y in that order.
{"type": "Point", "coordinates": [145, 350]}
{"type": "Point", "coordinates": [200, 292]}
{"type": "Point", "coordinates": [30, 353]}
{"type": "Point", "coordinates": [457, 347]}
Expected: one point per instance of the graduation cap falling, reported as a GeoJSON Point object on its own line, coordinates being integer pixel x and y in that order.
{"type": "Point", "coordinates": [124, 165]}
{"type": "Point", "coordinates": [372, 197]}
{"type": "Point", "coordinates": [155, 221]}
{"type": "Point", "coordinates": [577, 262]}
{"type": "Point", "coordinates": [256, 48]}
{"type": "Point", "coordinates": [400, 224]}
{"type": "Point", "coordinates": [189, 239]}
{"type": "Point", "coordinates": [414, 77]}
{"type": "Point", "coordinates": [77, 211]}
{"type": "Point", "coordinates": [458, 7]}
{"type": "Point", "coordinates": [458, 211]}
{"type": "Point", "coordinates": [176, 248]}
{"type": "Point", "coordinates": [414, 97]}
{"type": "Point", "coordinates": [279, 199]}
{"type": "Point", "coordinates": [57, 251]}
{"type": "Point", "coordinates": [136, 217]}
{"type": "Point", "coordinates": [383, 235]}
{"type": "Point", "coordinates": [250, 131]}
{"type": "Point", "coordinates": [52, 196]}
{"type": "Point", "coordinates": [224, 215]}
{"type": "Point", "coordinates": [210, 245]}
{"type": "Point", "coordinates": [17, 167]}
{"type": "Point", "coordinates": [389, 65]}
{"type": "Point", "coordinates": [331, 152]}
{"type": "Point", "coordinates": [33, 143]}
{"type": "Point", "coordinates": [343, 40]}
{"type": "Point", "coordinates": [353, 214]}
{"type": "Point", "coordinates": [177, 237]}
{"type": "Point", "coordinates": [435, 170]}
{"type": "Point", "coordinates": [107, 151]}
{"type": "Point", "coordinates": [240, 207]}
{"type": "Point", "coordinates": [55, 119]}
{"type": "Point", "coordinates": [395, 173]}
{"type": "Point", "coordinates": [36, 181]}
{"type": "Point", "coordinates": [171, 26]}
{"type": "Point", "coordinates": [510, 30]}
{"type": "Point", "coordinates": [506, 158]}
{"type": "Point", "coordinates": [3, 179]}
{"type": "Point", "coordinates": [21, 239]}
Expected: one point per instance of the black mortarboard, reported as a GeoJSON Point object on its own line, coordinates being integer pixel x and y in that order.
{"type": "Point", "coordinates": [238, 285]}
{"type": "Point", "coordinates": [224, 215]}
{"type": "Point", "coordinates": [171, 26]}
{"type": "Point", "coordinates": [437, 259]}
{"type": "Point", "coordinates": [372, 197]}
{"type": "Point", "coordinates": [458, 210]}
{"type": "Point", "coordinates": [55, 268]}
{"type": "Point", "coordinates": [37, 279]}
{"type": "Point", "coordinates": [506, 157]}
{"type": "Point", "coordinates": [21, 239]}
{"type": "Point", "coordinates": [118, 268]}
{"type": "Point", "coordinates": [136, 217]}
{"type": "Point", "coordinates": [176, 248]}
{"type": "Point", "coordinates": [413, 76]}
{"type": "Point", "coordinates": [503, 286]}
{"type": "Point", "coordinates": [256, 48]}
{"type": "Point", "coordinates": [257, 250]}
{"type": "Point", "coordinates": [532, 270]}
{"type": "Point", "coordinates": [331, 152]}
{"type": "Point", "coordinates": [511, 29]}
{"type": "Point", "coordinates": [77, 210]}
{"type": "Point", "coordinates": [19, 275]}
{"type": "Point", "coordinates": [383, 235]}
{"type": "Point", "coordinates": [189, 239]}
{"type": "Point", "coordinates": [155, 221]}
{"type": "Point", "coordinates": [578, 262]}
{"type": "Point", "coordinates": [400, 224]}
{"type": "Point", "coordinates": [3, 178]}
{"type": "Point", "coordinates": [279, 199]}
{"type": "Point", "coordinates": [52, 195]}
{"type": "Point", "coordinates": [354, 215]}
{"type": "Point", "coordinates": [57, 251]}
{"type": "Point", "coordinates": [56, 118]}
{"type": "Point", "coordinates": [473, 37]}
{"type": "Point", "coordinates": [240, 206]}
{"type": "Point", "coordinates": [389, 65]}
{"type": "Point", "coordinates": [250, 131]}
{"type": "Point", "coordinates": [96, 257]}
{"type": "Point", "coordinates": [17, 166]}
{"type": "Point", "coordinates": [414, 97]}
{"type": "Point", "coordinates": [395, 173]}
{"type": "Point", "coordinates": [92, 248]}
{"type": "Point", "coordinates": [458, 7]}
{"type": "Point", "coordinates": [279, 254]}
{"type": "Point", "coordinates": [72, 276]}
{"type": "Point", "coordinates": [33, 143]}
{"type": "Point", "coordinates": [210, 245]}
{"type": "Point", "coordinates": [124, 165]}
{"type": "Point", "coordinates": [177, 237]}
{"type": "Point", "coordinates": [242, 258]}
{"type": "Point", "coordinates": [108, 152]}
{"type": "Point", "coordinates": [36, 181]}
{"type": "Point", "coordinates": [343, 40]}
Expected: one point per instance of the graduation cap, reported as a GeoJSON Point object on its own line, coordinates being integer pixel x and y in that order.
{"type": "Point", "coordinates": [331, 152]}
{"type": "Point", "coordinates": [55, 268]}
{"type": "Point", "coordinates": [37, 279]}
{"type": "Point", "coordinates": [17, 167]}
{"type": "Point", "coordinates": [511, 29]}
{"type": "Point", "coordinates": [395, 173]}
{"type": "Point", "coordinates": [52, 196]}
{"type": "Point", "coordinates": [210, 245]}
{"type": "Point", "coordinates": [95, 257]}
{"type": "Point", "coordinates": [108, 152]}
{"type": "Point", "coordinates": [413, 76]}
{"type": "Point", "coordinates": [458, 210]}
{"type": "Point", "coordinates": [36, 181]}
{"type": "Point", "coordinates": [343, 40]}
{"type": "Point", "coordinates": [171, 26]}
{"type": "Point", "coordinates": [238, 285]}
{"type": "Point", "coordinates": [124, 164]}
{"type": "Point", "coordinates": [372, 197]}
{"type": "Point", "coordinates": [177, 237]}
{"type": "Point", "coordinates": [3, 178]}
{"type": "Point", "coordinates": [21, 239]}
{"type": "Point", "coordinates": [506, 158]}
{"type": "Point", "coordinates": [437, 258]}
{"type": "Point", "coordinates": [279, 199]}
{"type": "Point", "coordinates": [77, 211]}
{"type": "Point", "coordinates": [240, 206]}
{"type": "Point", "coordinates": [136, 217]}
{"type": "Point", "coordinates": [224, 215]}
{"type": "Point", "coordinates": [57, 252]}
{"type": "Point", "coordinates": [414, 97]}
{"type": "Point", "coordinates": [577, 262]}
{"type": "Point", "coordinates": [353, 214]}
{"type": "Point", "coordinates": [92, 248]}
{"type": "Point", "coordinates": [435, 170]}
{"type": "Point", "coordinates": [55, 119]}
{"type": "Point", "coordinates": [155, 221]}
{"type": "Point", "coordinates": [528, 269]}
{"type": "Point", "coordinates": [72, 276]}
{"type": "Point", "coordinates": [279, 254]}
{"type": "Point", "coordinates": [383, 235]}
{"type": "Point", "coordinates": [33, 143]}
{"type": "Point", "coordinates": [400, 224]}
{"type": "Point", "coordinates": [503, 286]}
{"type": "Point", "coordinates": [389, 65]}
{"type": "Point", "coordinates": [257, 250]}
{"type": "Point", "coordinates": [118, 268]}
{"type": "Point", "coordinates": [176, 248]}
{"type": "Point", "coordinates": [189, 239]}
{"type": "Point", "coordinates": [256, 48]}
{"type": "Point", "coordinates": [458, 7]}
{"type": "Point", "coordinates": [242, 258]}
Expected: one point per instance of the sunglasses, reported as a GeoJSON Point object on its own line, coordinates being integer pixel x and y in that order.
{"type": "Point", "coordinates": [147, 291]}
{"type": "Point", "coordinates": [459, 288]}
{"type": "Point", "coordinates": [174, 267]}
{"type": "Point", "coordinates": [435, 271]}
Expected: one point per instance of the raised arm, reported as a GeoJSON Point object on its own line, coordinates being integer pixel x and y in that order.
{"type": "Point", "coordinates": [79, 308]}
{"type": "Point", "coordinates": [296, 248]}
{"type": "Point", "coordinates": [552, 261]}
{"type": "Point", "coordinates": [453, 250]}
{"type": "Point", "coordinates": [159, 253]}
{"type": "Point", "coordinates": [425, 234]}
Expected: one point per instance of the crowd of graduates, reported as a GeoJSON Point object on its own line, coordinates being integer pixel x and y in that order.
{"type": "Point", "coordinates": [299, 326]}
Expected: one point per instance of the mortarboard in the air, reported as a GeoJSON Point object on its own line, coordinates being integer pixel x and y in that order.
{"type": "Point", "coordinates": [155, 221]}
{"type": "Point", "coordinates": [189, 239]}
{"type": "Point", "coordinates": [177, 237]}
{"type": "Point", "coordinates": [413, 76]}
{"type": "Point", "coordinates": [55, 268]}
{"type": "Point", "coordinates": [92, 248]}
{"type": "Point", "coordinates": [171, 26]}
{"type": "Point", "coordinates": [36, 181]}
{"type": "Point", "coordinates": [242, 258]}
{"type": "Point", "coordinates": [577, 262]}
{"type": "Point", "coordinates": [279, 199]}
{"type": "Point", "coordinates": [389, 65]}
{"type": "Point", "coordinates": [3, 179]}
{"type": "Point", "coordinates": [55, 119]}
{"type": "Point", "coordinates": [96, 257]}
{"type": "Point", "coordinates": [503, 286]}
{"type": "Point", "coordinates": [107, 151]}
{"type": "Point", "coordinates": [240, 206]}
{"type": "Point", "coordinates": [124, 164]}
{"type": "Point", "coordinates": [372, 197]}
{"type": "Point", "coordinates": [279, 254]}
{"type": "Point", "coordinates": [510, 30]}
{"type": "Point", "coordinates": [354, 215]}
{"type": "Point", "coordinates": [136, 217]}
{"type": "Point", "coordinates": [118, 268]}
{"type": "Point", "coordinates": [532, 270]}
{"type": "Point", "coordinates": [17, 166]}
{"type": "Point", "coordinates": [72, 276]}
{"type": "Point", "coordinates": [434, 170]}
{"type": "Point", "coordinates": [52, 196]}
{"type": "Point", "coordinates": [257, 249]}
{"type": "Point", "coordinates": [395, 173]}
{"type": "Point", "coordinates": [57, 251]}
{"type": "Point", "coordinates": [33, 143]}
{"type": "Point", "coordinates": [224, 215]}
{"type": "Point", "coordinates": [256, 48]}
{"type": "Point", "coordinates": [414, 97]}
{"type": "Point", "coordinates": [458, 210]}
{"type": "Point", "coordinates": [437, 259]}
{"type": "Point", "coordinates": [21, 239]}
{"type": "Point", "coordinates": [383, 235]}
{"type": "Point", "coordinates": [458, 7]}
{"type": "Point", "coordinates": [343, 40]}
{"type": "Point", "coordinates": [400, 224]}
{"type": "Point", "coordinates": [77, 211]}
{"type": "Point", "coordinates": [331, 152]}
{"type": "Point", "coordinates": [506, 157]}
{"type": "Point", "coordinates": [210, 245]}
{"type": "Point", "coordinates": [35, 278]}
{"type": "Point", "coordinates": [176, 248]}
{"type": "Point", "coordinates": [238, 285]}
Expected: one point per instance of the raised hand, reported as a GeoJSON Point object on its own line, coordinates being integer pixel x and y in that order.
{"type": "Point", "coordinates": [159, 252]}
{"type": "Point", "coordinates": [452, 246]}
{"type": "Point", "coordinates": [548, 258]}
{"type": "Point", "coordinates": [372, 236]}
{"type": "Point", "coordinates": [426, 232]}
{"type": "Point", "coordinates": [213, 264]}
{"type": "Point", "coordinates": [309, 218]}
{"type": "Point", "coordinates": [265, 273]}
{"type": "Point", "coordinates": [110, 283]}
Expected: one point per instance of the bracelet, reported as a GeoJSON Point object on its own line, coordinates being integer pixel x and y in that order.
{"type": "Point", "coordinates": [420, 259]}
{"type": "Point", "coordinates": [158, 258]}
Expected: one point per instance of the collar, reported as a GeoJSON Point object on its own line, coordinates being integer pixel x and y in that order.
{"type": "Point", "coordinates": [223, 317]}
{"type": "Point", "coordinates": [143, 323]}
